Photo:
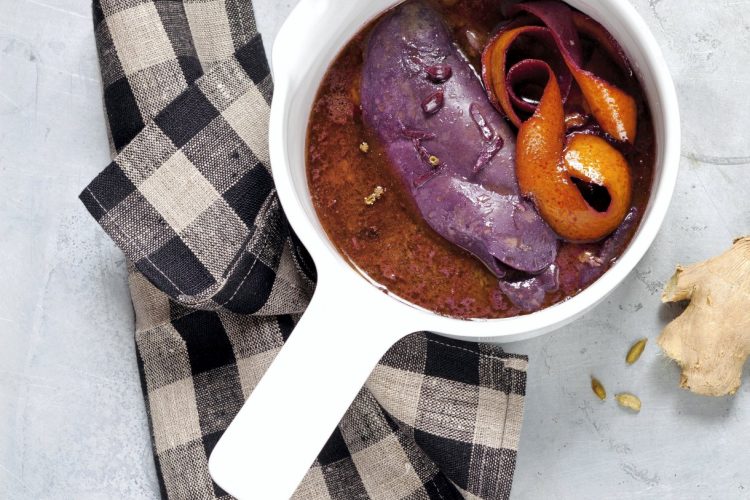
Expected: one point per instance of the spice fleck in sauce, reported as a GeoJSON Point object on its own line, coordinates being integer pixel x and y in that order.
{"type": "Point", "coordinates": [370, 217]}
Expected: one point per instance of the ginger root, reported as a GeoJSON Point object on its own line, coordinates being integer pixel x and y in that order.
{"type": "Point", "coordinates": [711, 339]}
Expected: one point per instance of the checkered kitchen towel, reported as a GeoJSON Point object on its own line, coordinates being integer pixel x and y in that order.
{"type": "Point", "coordinates": [218, 280]}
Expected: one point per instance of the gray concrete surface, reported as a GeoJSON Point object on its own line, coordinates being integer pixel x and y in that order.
{"type": "Point", "coordinates": [72, 422]}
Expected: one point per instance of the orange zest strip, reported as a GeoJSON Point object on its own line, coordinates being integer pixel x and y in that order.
{"type": "Point", "coordinates": [539, 148]}
{"type": "Point", "coordinates": [546, 166]}
{"type": "Point", "coordinates": [494, 61]}
{"type": "Point", "coordinates": [593, 160]}
{"type": "Point", "coordinates": [614, 110]}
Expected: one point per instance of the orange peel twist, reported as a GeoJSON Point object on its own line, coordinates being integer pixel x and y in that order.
{"type": "Point", "coordinates": [553, 170]}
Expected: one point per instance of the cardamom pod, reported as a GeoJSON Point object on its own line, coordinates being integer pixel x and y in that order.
{"type": "Point", "coordinates": [635, 351]}
{"type": "Point", "coordinates": [598, 389]}
{"type": "Point", "coordinates": [627, 400]}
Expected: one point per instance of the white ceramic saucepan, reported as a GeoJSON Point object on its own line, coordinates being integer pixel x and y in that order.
{"type": "Point", "coordinates": [351, 322]}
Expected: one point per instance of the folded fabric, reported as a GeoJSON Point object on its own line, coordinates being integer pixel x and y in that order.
{"type": "Point", "coordinates": [218, 279]}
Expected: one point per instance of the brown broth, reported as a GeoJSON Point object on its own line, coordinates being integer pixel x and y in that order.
{"type": "Point", "coordinates": [389, 240]}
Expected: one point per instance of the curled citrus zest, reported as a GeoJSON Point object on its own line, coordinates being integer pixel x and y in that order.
{"type": "Point", "coordinates": [547, 164]}
{"type": "Point", "coordinates": [554, 171]}
{"type": "Point", "coordinates": [614, 109]}
{"type": "Point", "coordinates": [494, 62]}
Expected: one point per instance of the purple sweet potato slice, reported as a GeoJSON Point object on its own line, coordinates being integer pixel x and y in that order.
{"type": "Point", "coordinates": [457, 161]}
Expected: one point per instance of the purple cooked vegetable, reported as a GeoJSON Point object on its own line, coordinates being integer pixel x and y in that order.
{"type": "Point", "coordinates": [528, 292]}
{"type": "Point", "coordinates": [458, 162]}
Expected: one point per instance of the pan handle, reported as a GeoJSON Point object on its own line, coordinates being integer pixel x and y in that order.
{"type": "Point", "coordinates": [275, 438]}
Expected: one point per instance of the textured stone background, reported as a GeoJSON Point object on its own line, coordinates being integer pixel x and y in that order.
{"type": "Point", "coordinates": [72, 422]}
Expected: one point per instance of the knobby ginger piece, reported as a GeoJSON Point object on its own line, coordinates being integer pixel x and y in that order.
{"type": "Point", "coordinates": [711, 339]}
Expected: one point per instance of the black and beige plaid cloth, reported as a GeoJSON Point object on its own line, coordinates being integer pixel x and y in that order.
{"type": "Point", "coordinates": [218, 280]}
